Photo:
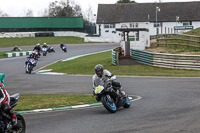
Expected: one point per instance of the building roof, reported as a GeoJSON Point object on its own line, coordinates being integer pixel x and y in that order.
{"type": "Point", "coordinates": [146, 12]}
{"type": "Point", "coordinates": [41, 22]}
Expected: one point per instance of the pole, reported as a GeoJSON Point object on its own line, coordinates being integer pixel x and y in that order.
{"type": "Point", "coordinates": [156, 22]}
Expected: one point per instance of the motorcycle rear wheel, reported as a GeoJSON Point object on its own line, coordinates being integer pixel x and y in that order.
{"type": "Point", "coordinates": [109, 103]}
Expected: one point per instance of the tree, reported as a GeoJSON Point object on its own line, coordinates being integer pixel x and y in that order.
{"type": "Point", "coordinates": [126, 1]}
{"type": "Point", "coordinates": [63, 8]}
{"type": "Point", "coordinates": [2, 14]}
{"type": "Point", "coordinates": [89, 16]}
{"type": "Point", "coordinates": [28, 13]}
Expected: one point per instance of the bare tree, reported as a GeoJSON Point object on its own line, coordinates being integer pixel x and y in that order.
{"type": "Point", "coordinates": [2, 14]}
{"type": "Point", "coordinates": [89, 16]}
{"type": "Point", "coordinates": [27, 13]}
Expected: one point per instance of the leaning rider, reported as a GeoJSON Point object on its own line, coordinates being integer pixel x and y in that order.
{"type": "Point", "coordinates": [5, 101]}
{"type": "Point", "coordinates": [102, 73]}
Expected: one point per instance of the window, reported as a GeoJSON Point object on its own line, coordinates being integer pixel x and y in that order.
{"type": "Point", "coordinates": [112, 25]}
{"type": "Point", "coordinates": [106, 26]}
{"type": "Point", "coordinates": [186, 23]}
{"type": "Point", "coordinates": [136, 24]}
{"type": "Point", "coordinates": [109, 26]}
{"type": "Point", "coordinates": [131, 25]}
{"type": "Point", "coordinates": [157, 25]}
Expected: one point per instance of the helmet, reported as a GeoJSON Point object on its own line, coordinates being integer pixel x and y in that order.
{"type": "Point", "coordinates": [37, 44]}
{"type": "Point", "coordinates": [44, 43]}
{"type": "Point", "coordinates": [99, 70]}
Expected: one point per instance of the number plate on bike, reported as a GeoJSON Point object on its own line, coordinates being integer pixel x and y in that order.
{"type": "Point", "coordinates": [99, 89]}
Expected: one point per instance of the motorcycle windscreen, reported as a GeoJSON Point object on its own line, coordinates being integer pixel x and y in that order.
{"type": "Point", "coordinates": [97, 82]}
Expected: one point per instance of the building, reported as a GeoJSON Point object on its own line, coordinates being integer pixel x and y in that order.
{"type": "Point", "coordinates": [159, 18]}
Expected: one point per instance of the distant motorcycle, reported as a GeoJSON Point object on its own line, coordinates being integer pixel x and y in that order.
{"type": "Point", "coordinates": [63, 47]}
{"type": "Point", "coordinates": [111, 98]}
{"type": "Point", "coordinates": [50, 49]}
{"type": "Point", "coordinates": [16, 49]}
{"type": "Point", "coordinates": [5, 120]}
{"type": "Point", "coordinates": [30, 64]}
{"type": "Point", "coordinates": [44, 51]}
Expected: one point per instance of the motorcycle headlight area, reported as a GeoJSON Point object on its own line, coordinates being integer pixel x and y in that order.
{"type": "Point", "coordinates": [99, 89]}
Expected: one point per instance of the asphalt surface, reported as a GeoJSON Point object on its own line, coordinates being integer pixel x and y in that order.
{"type": "Point", "coordinates": [168, 105]}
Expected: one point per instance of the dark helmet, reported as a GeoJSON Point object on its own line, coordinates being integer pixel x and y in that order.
{"type": "Point", "coordinates": [99, 70]}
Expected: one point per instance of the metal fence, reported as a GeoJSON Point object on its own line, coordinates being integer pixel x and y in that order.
{"type": "Point", "coordinates": [166, 60]}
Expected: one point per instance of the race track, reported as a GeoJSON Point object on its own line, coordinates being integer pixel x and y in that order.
{"type": "Point", "coordinates": [168, 105]}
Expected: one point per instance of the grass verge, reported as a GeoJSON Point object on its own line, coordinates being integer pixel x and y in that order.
{"type": "Point", "coordinates": [42, 101]}
{"type": "Point", "coordinates": [85, 65]}
{"type": "Point", "coordinates": [29, 41]}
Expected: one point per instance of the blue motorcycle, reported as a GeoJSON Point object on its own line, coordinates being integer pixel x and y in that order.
{"type": "Point", "coordinates": [30, 64]}
{"type": "Point", "coordinates": [111, 98]}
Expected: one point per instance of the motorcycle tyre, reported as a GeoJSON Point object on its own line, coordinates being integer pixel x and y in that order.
{"type": "Point", "coordinates": [21, 121]}
{"type": "Point", "coordinates": [103, 100]}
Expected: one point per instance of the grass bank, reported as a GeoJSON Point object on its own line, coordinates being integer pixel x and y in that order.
{"type": "Point", "coordinates": [29, 41]}
{"type": "Point", "coordinates": [85, 65]}
{"type": "Point", "coordinates": [41, 101]}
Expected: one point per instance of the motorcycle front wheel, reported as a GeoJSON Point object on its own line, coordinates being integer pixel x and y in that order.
{"type": "Point", "coordinates": [21, 123]}
{"type": "Point", "coordinates": [109, 103]}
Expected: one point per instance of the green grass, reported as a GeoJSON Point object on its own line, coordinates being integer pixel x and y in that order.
{"type": "Point", "coordinates": [28, 41]}
{"type": "Point", "coordinates": [85, 65]}
{"type": "Point", "coordinates": [194, 32]}
{"type": "Point", "coordinates": [41, 101]}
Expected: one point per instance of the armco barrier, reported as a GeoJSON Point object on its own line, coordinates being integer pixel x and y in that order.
{"type": "Point", "coordinates": [166, 60]}
{"type": "Point", "coordinates": [114, 57]}
{"type": "Point", "coordinates": [16, 54]}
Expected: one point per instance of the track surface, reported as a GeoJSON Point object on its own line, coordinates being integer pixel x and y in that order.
{"type": "Point", "coordinates": [168, 105]}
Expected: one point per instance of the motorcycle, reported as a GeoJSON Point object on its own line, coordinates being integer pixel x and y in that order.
{"type": "Point", "coordinates": [5, 120]}
{"type": "Point", "coordinates": [44, 50]}
{"type": "Point", "coordinates": [111, 98]}
{"type": "Point", "coordinates": [16, 49]}
{"type": "Point", "coordinates": [64, 48]}
{"type": "Point", "coordinates": [30, 64]}
{"type": "Point", "coordinates": [50, 49]}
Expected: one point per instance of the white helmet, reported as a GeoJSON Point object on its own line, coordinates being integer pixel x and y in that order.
{"type": "Point", "coordinates": [38, 44]}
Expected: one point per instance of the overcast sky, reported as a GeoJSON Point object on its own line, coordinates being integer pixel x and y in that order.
{"type": "Point", "coordinates": [16, 8]}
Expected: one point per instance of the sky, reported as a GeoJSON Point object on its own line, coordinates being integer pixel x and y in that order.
{"type": "Point", "coordinates": [17, 8]}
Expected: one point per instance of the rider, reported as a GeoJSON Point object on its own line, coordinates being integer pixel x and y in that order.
{"type": "Point", "coordinates": [44, 45]}
{"type": "Point", "coordinates": [38, 48]}
{"type": "Point", "coordinates": [5, 101]}
{"type": "Point", "coordinates": [32, 55]}
{"type": "Point", "coordinates": [102, 73]}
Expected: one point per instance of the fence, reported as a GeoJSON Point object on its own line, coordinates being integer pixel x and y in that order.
{"type": "Point", "coordinates": [188, 40]}
{"type": "Point", "coordinates": [166, 60]}
{"type": "Point", "coordinates": [115, 56]}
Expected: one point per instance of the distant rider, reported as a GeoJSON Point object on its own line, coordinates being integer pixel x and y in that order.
{"type": "Point", "coordinates": [38, 48]}
{"type": "Point", "coordinates": [5, 101]}
{"type": "Point", "coordinates": [44, 45]}
{"type": "Point", "coordinates": [102, 73]}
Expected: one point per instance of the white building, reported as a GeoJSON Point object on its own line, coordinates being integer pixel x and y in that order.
{"type": "Point", "coordinates": [170, 17]}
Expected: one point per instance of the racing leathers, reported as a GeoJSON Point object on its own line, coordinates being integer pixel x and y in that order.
{"type": "Point", "coordinates": [5, 101]}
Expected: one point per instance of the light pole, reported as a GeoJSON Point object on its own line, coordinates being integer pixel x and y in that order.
{"type": "Point", "coordinates": [177, 19]}
{"type": "Point", "coordinates": [157, 10]}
